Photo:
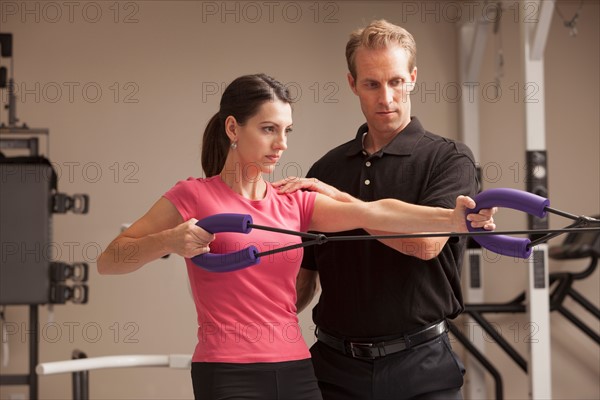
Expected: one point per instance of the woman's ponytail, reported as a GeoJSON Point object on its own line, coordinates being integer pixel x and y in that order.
{"type": "Point", "coordinates": [215, 146]}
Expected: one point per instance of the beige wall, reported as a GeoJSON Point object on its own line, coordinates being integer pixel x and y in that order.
{"type": "Point", "coordinates": [160, 69]}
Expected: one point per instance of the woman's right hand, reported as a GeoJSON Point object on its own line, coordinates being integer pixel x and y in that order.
{"type": "Point", "coordinates": [292, 184]}
{"type": "Point", "coordinates": [189, 240]}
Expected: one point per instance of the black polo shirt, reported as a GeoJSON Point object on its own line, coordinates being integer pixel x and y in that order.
{"type": "Point", "coordinates": [368, 289]}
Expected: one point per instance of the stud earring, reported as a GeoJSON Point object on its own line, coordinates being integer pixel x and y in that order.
{"type": "Point", "coordinates": [233, 145]}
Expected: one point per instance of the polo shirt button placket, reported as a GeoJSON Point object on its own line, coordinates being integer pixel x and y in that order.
{"type": "Point", "coordinates": [367, 182]}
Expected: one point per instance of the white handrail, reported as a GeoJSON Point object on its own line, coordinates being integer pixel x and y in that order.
{"type": "Point", "coordinates": [182, 361]}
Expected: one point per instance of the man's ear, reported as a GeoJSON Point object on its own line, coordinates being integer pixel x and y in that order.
{"type": "Point", "coordinates": [352, 83]}
{"type": "Point", "coordinates": [413, 80]}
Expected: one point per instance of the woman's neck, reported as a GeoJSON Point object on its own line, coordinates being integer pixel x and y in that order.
{"type": "Point", "coordinates": [245, 183]}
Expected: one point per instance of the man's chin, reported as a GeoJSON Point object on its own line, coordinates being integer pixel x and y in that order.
{"type": "Point", "coordinates": [387, 127]}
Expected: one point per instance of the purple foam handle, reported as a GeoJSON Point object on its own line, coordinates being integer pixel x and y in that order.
{"type": "Point", "coordinates": [509, 198]}
{"type": "Point", "coordinates": [237, 223]}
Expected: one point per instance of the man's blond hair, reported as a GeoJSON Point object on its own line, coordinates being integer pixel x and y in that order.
{"type": "Point", "coordinates": [380, 34]}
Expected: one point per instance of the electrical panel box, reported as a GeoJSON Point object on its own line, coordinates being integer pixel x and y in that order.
{"type": "Point", "coordinates": [26, 190]}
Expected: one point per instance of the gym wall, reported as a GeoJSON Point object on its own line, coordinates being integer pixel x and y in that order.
{"type": "Point", "coordinates": [126, 89]}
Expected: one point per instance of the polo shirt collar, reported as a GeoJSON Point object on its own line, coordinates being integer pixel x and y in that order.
{"type": "Point", "coordinates": [399, 146]}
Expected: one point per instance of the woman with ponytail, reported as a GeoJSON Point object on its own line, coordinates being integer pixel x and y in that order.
{"type": "Point", "coordinates": [249, 341]}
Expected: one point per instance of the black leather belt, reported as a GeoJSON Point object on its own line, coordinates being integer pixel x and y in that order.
{"type": "Point", "coordinates": [372, 350]}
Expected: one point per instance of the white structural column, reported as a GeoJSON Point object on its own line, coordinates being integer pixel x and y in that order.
{"type": "Point", "coordinates": [473, 36]}
{"type": "Point", "coordinates": [472, 41]}
{"type": "Point", "coordinates": [534, 32]}
{"type": "Point", "coordinates": [535, 18]}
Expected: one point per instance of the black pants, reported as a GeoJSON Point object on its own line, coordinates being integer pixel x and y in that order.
{"type": "Point", "coordinates": [290, 380]}
{"type": "Point", "coordinates": [428, 371]}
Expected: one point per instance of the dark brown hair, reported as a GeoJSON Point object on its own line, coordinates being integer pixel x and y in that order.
{"type": "Point", "coordinates": [241, 99]}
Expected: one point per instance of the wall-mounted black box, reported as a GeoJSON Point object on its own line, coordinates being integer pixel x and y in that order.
{"type": "Point", "coordinates": [26, 189]}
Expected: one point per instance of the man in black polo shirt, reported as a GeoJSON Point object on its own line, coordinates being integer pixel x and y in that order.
{"type": "Point", "coordinates": [381, 314]}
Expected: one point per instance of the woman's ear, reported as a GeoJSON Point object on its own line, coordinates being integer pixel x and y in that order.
{"type": "Point", "coordinates": [231, 128]}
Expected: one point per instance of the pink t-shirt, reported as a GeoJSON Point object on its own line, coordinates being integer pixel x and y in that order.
{"type": "Point", "coordinates": [247, 315]}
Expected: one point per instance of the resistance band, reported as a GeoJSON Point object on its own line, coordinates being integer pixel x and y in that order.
{"type": "Point", "coordinates": [497, 241]}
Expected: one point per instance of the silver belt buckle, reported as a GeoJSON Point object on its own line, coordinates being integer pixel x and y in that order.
{"type": "Point", "coordinates": [355, 345]}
